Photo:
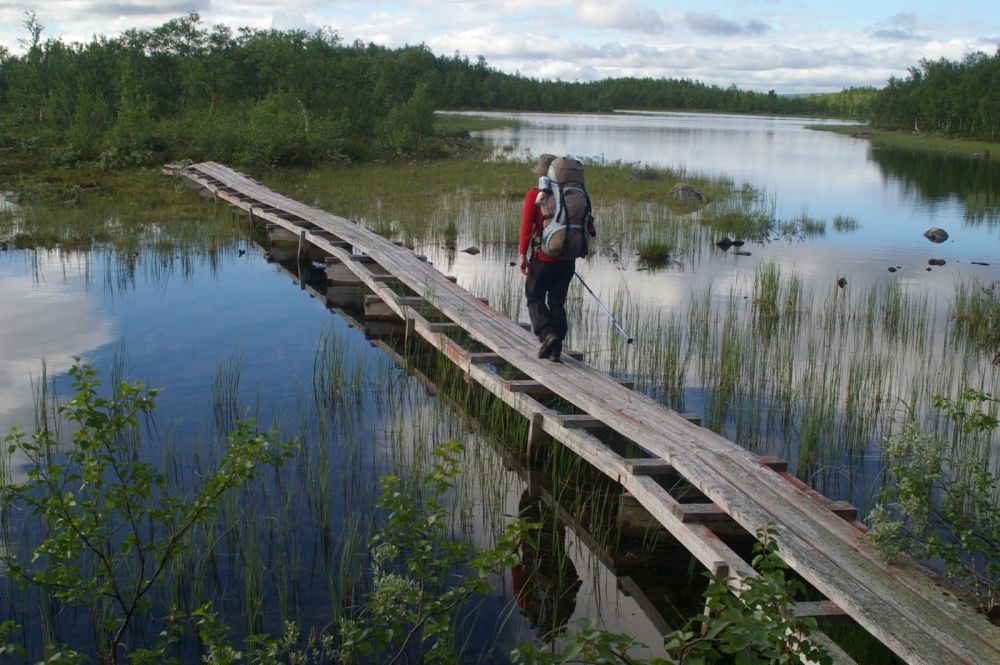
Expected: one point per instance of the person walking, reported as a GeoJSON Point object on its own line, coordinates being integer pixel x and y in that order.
{"type": "Point", "coordinates": [548, 277]}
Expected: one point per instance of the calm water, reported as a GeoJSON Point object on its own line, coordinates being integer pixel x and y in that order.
{"type": "Point", "coordinates": [894, 195]}
{"type": "Point", "coordinates": [178, 322]}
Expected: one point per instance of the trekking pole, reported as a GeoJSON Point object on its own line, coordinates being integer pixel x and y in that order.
{"type": "Point", "coordinates": [628, 338]}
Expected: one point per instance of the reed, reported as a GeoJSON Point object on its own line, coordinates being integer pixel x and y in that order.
{"type": "Point", "coordinates": [845, 224]}
{"type": "Point", "coordinates": [817, 376]}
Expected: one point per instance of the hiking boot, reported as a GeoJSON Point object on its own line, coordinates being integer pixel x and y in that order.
{"type": "Point", "coordinates": [555, 351]}
{"type": "Point", "coordinates": [548, 342]}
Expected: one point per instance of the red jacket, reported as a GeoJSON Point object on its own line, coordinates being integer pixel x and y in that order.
{"type": "Point", "coordinates": [531, 225]}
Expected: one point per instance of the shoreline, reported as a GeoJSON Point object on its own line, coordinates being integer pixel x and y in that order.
{"type": "Point", "coordinates": [923, 141]}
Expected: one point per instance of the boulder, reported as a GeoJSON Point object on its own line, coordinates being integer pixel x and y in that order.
{"type": "Point", "coordinates": [934, 234]}
{"type": "Point", "coordinates": [686, 192]}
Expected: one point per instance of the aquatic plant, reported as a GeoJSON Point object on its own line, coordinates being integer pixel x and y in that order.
{"type": "Point", "coordinates": [654, 253]}
{"type": "Point", "coordinates": [845, 223]}
{"type": "Point", "coordinates": [111, 524]}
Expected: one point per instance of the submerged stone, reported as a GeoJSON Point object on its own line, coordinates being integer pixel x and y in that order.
{"type": "Point", "coordinates": [686, 192]}
{"type": "Point", "coordinates": [934, 234]}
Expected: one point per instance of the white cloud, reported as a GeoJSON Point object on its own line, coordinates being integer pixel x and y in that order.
{"type": "Point", "coordinates": [707, 23]}
{"type": "Point", "coordinates": [625, 15]}
{"type": "Point", "coordinates": [899, 27]}
{"type": "Point", "coordinates": [788, 46]}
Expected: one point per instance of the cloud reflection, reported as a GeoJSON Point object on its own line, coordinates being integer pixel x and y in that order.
{"type": "Point", "coordinates": [41, 322]}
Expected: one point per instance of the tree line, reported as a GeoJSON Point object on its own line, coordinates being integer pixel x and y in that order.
{"type": "Point", "coordinates": [944, 96]}
{"type": "Point", "coordinates": [250, 96]}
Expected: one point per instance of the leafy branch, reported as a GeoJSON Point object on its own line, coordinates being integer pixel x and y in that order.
{"type": "Point", "coordinates": [111, 522]}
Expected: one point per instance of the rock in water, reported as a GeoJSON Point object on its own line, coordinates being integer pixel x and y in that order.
{"type": "Point", "coordinates": [686, 192]}
{"type": "Point", "coordinates": [934, 234]}
{"type": "Point", "coordinates": [471, 250]}
{"type": "Point", "coordinates": [724, 244]}
{"type": "Point", "coordinates": [842, 282]}
{"type": "Point", "coordinates": [936, 262]}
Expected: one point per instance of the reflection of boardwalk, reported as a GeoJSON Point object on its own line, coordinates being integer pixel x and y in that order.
{"type": "Point", "coordinates": [723, 485]}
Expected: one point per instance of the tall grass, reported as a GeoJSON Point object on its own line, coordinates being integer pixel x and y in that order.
{"type": "Point", "coordinates": [791, 370]}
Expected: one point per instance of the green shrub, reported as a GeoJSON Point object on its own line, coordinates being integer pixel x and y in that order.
{"type": "Point", "coordinates": [110, 523]}
{"type": "Point", "coordinates": [276, 132]}
{"type": "Point", "coordinates": [942, 505]}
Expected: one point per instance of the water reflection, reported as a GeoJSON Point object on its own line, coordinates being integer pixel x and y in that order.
{"type": "Point", "coordinates": [48, 321]}
{"type": "Point", "coordinates": [975, 181]}
{"type": "Point", "coordinates": [544, 580]}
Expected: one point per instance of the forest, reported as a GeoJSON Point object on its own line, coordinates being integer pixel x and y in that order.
{"type": "Point", "coordinates": [269, 97]}
{"type": "Point", "coordinates": [943, 96]}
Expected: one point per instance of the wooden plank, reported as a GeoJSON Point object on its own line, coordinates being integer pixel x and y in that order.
{"type": "Point", "coordinates": [703, 513]}
{"type": "Point", "coordinates": [483, 358]}
{"type": "Point", "coordinates": [649, 466]}
{"type": "Point", "coordinates": [824, 611]}
{"type": "Point", "coordinates": [581, 422]}
{"type": "Point", "coordinates": [692, 418]}
{"type": "Point", "coordinates": [774, 463]}
{"type": "Point", "coordinates": [871, 597]}
{"type": "Point", "coordinates": [444, 326]}
{"type": "Point", "coordinates": [528, 386]}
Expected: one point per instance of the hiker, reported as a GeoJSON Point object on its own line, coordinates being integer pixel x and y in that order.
{"type": "Point", "coordinates": [549, 274]}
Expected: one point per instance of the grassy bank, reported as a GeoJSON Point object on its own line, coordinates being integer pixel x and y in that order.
{"type": "Point", "coordinates": [913, 140]}
{"type": "Point", "coordinates": [457, 124]}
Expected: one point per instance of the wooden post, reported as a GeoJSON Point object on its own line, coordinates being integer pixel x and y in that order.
{"type": "Point", "coordinates": [537, 437]}
{"type": "Point", "coordinates": [720, 573]}
{"type": "Point", "coordinates": [302, 246]}
{"type": "Point", "coordinates": [534, 484]}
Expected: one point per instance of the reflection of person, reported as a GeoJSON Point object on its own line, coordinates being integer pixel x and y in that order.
{"type": "Point", "coordinates": [548, 278]}
{"type": "Point", "coordinates": [544, 580]}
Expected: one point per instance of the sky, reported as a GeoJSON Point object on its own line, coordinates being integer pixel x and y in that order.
{"type": "Point", "coordinates": [790, 46]}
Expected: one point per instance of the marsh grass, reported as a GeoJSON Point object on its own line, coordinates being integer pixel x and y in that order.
{"type": "Point", "coordinates": [654, 253]}
{"type": "Point", "coordinates": [138, 213]}
{"type": "Point", "coordinates": [749, 213]}
{"type": "Point", "coordinates": [818, 377]}
{"type": "Point", "coordinates": [476, 199]}
{"type": "Point", "coordinates": [923, 141]}
{"type": "Point", "coordinates": [845, 224]}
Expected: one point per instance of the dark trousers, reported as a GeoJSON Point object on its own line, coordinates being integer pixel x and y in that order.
{"type": "Point", "coordinates": [545, 290]}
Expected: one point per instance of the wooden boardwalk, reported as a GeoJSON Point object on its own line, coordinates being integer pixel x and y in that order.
{"type": "Point", "coordinates": [903, 606]}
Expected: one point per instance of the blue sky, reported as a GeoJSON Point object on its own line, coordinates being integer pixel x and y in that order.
{"type": "Point", "coordinates": [787, 45]}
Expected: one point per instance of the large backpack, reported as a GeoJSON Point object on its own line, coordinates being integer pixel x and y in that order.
{"type": "Point", "coordinates": [565, 213]}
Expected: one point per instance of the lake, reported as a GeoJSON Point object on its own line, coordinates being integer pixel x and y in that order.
{"type": "Point", "coordinates": [223, 326]}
